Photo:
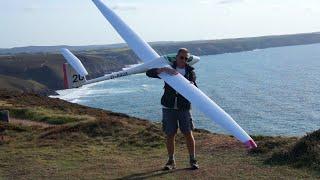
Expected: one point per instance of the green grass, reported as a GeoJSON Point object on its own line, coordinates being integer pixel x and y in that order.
{"type": "Point", "coordinates": [46, 115]}
{"type": "Point", "coordinates": [79, 155]}
{"type": "Point", "coordinates": [96, 144]}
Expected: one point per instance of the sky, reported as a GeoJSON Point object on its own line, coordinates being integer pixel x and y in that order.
{"type": "Point", "coordinates": [78, 22]}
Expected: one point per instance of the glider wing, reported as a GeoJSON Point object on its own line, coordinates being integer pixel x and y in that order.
{"type": "Point", "coordinates": [178, 82]}
{"type": "Point", "coordinates": [142, 49]}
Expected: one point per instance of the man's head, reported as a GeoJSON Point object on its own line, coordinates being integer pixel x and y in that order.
{"type": "Point", "coordinates": [182, 57]}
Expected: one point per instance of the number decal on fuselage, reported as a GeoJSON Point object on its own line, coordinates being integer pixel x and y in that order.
{"type": "Point", "coordinates": [120, 74]}
{"type": "Point", "coordinates": [77, 78]}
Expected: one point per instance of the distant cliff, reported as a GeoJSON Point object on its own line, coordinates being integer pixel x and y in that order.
{"type": "Point", "coordinates": [38, 68]}
{"type": "Point", "coordinates": [212, 47]}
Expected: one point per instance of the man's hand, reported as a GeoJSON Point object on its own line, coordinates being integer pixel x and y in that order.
{"type": "Point", "coordinates": [167, 70]}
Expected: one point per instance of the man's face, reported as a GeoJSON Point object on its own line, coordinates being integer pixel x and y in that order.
{"type": "Point", "coordinates": [182, 58]}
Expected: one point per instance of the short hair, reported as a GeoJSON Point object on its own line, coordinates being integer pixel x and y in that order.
{"type": "Point", "coordinates": [185, 50]}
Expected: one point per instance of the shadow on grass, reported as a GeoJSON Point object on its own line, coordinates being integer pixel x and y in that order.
{"type": "Point", "coordinates": [153, 173]}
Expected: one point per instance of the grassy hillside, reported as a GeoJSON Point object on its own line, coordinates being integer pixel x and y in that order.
{"type": "Point", "coordinates": [21, 85]}
{"type": "Point", "coordinates": [90, 143]}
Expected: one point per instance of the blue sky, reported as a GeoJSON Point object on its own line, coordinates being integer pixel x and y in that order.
{"type": "Point", "coordinates": [78, 22]}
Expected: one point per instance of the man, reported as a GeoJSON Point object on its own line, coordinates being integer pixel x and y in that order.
{"type": "Point", "coordinates": [176, 109]}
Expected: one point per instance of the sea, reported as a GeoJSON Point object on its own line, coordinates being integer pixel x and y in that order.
{"type": "Point", "coordinates": [273, 91]}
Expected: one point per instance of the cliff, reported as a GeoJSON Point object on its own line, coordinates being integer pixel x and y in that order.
{"type": "Point", "coordinates": [43, 65]}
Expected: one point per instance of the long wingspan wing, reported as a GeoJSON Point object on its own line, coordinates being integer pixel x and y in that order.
{"type": "Point", "coordinates": [202, 102]}
{"type": "Point", "coordinates": [142, 49]}
{"type": "Point", "coordinates": [178, 82]}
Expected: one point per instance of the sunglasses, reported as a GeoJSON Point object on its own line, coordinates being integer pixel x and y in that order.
{"type": "Point", "coordinates": [183, 58]}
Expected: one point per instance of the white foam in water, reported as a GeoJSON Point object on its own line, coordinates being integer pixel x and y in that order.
{"type": "Point", "coordinates": [73, 94]}
{"type": "Point", "coordinates": [110, 91]}
{"type": "Point", "coordinates": [146, 86]}
{"type": "Point", "coordinates": [76, 95]}
{"type": "Point", "coordinates": [78, 101]}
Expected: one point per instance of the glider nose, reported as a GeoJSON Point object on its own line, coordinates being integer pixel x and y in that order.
{"type": "Point", "coordinates": [250, 144]}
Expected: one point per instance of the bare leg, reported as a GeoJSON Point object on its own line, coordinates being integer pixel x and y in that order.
{"type": "Point", "coordinates": [190, 143]}
{"type": "Point", "coordinates": [170, 147]}
{"type": "Point", "coordinates": [171, 144]}
{"type": "Point", "coordinates": [191, 148]}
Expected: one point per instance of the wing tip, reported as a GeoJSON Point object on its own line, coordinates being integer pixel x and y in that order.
{"type": "Point", "coordinates": [63, 50]}
{"type": "Point", "coordinates": [250, 144]}
{"type": "Point", "coordinates": [96, 1]}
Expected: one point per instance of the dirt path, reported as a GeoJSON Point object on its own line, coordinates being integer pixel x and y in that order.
{"type": "Point", "coordinates": [26, 122]}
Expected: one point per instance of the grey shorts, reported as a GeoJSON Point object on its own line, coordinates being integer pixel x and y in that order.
{"type": "Point", "coordinates": [172, 119]}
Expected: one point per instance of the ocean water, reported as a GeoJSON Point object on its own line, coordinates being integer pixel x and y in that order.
{"type": "Point", "coordinates": [273, 91]}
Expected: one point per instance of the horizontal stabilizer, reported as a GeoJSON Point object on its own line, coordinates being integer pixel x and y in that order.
{"type": "Point", "coordinates": [74, 62]}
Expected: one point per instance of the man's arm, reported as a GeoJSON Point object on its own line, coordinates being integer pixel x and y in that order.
{"type": "Point", "coordinates": [153, 73]}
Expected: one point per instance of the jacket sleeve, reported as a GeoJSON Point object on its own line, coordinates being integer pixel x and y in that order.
{"type": "Point", "coordinates": [152, 73]}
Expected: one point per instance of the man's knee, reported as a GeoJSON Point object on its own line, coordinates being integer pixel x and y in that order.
{"type": "Point", "coordinates": [171, 136]}
{"type": "Point", "coordinates": [188, 134]}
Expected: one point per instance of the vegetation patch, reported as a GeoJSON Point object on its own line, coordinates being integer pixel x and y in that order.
{"type": "Point", "coordinates": [269, 144]}
{"type": "Point", "coordinates": [4, 104]}
{"type": "Point", "coordinates": [304, 153]}
{"type": "Point", "coordinates": [95, 128]}
{"type": "Point", "coordinates": [46, 115]}
{"type": "Point", "coordinates": [6, 126]}
{"type": "Point", "coordinates": [148, 137]}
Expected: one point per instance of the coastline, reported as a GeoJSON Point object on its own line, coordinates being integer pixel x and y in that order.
{"type": "Point", "coordinates": [44, 62]}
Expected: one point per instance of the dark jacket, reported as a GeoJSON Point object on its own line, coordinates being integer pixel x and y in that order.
{"type": "Point", "coordinates": [170, 95]}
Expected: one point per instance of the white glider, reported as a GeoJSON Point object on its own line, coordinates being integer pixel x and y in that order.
{"type": "Point", "coordinates": [152, 60]}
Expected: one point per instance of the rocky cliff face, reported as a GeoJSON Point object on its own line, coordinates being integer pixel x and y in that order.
{"type": "Point", "coordinates": [46, 68]}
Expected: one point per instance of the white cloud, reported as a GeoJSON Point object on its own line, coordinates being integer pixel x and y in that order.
{"type": "Point", "coordinates": [221, 2]}
{"type": "Point", "coordinates": [124, 7]}
{"type": "Point", "coordinates": [37, 7]}
{"type": "Point", "coordinates": [205, 2]}
{"type": "Point", "coordinates": [31, 8]}
{"type": "Point", "coordinates": [229, 1]}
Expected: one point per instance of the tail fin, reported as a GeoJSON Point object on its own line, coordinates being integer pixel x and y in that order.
{"type": "Point", "coordinates": [74, 62]}
{"type": "Point", "coordinates": [65, 76]}
{"type": "Point", "coordinates": [73, 77]}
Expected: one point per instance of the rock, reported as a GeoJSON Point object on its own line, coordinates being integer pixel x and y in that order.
{"type": "Point", "coordinates": [4, 116]}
